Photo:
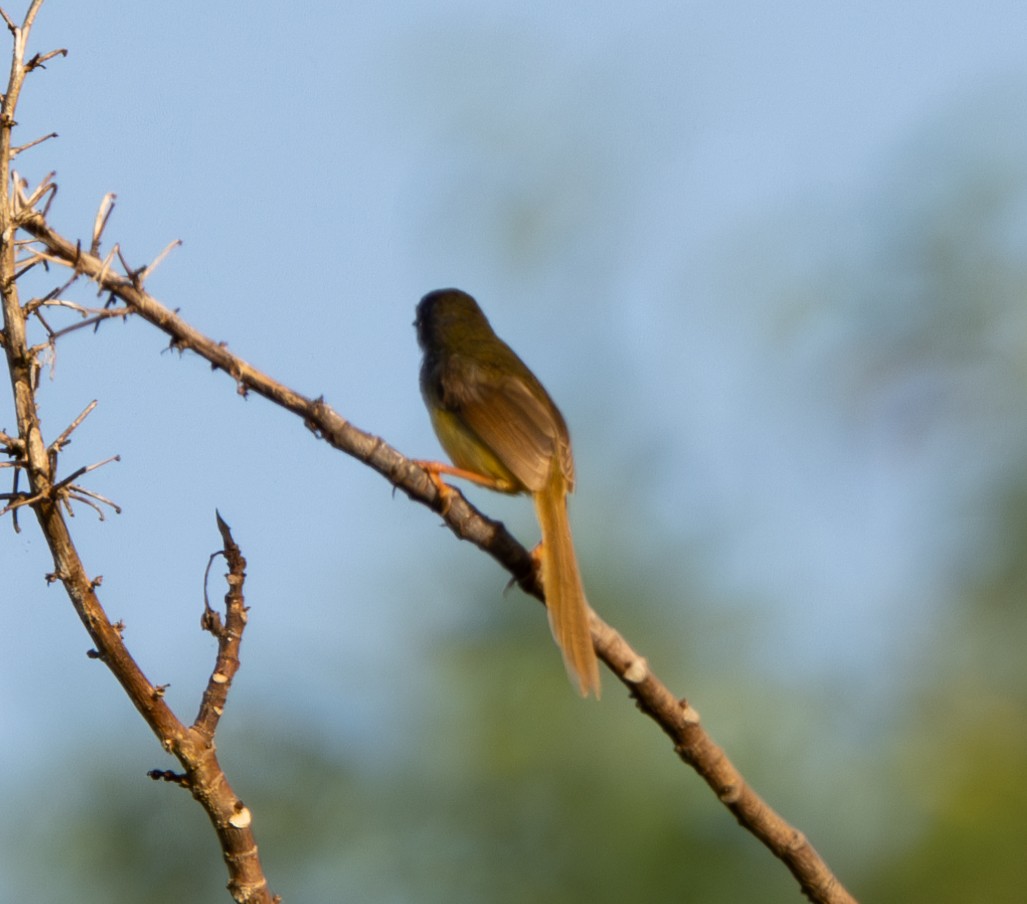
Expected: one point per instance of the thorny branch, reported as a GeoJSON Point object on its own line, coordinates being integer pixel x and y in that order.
{"type": "Point", "coordinates": [49, 497]}
{"type": "Point", "coordinates": [675, 717]}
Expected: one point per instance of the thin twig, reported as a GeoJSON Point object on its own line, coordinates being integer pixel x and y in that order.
{"type": "Point", "coordinates": [47, 186]}
{"type": "Point", "coordinates": [193, 747]}
{"type": "Point", "coordinates": [132, 274]}
{"type": "Point", "coordinates": [49, 499]}
{"type": "Point", "coordinates": [27, 263]}
{"type": "Point", "coordinates": [59, 443]}
{"type": "Point", "coordinates": [91, 317]}
{"type": "Point", "coordinates": [66, 500]}
{"type": "Point", "coordinates": [103, 214]}
{"type": "Point", "coordinates": [32, 144]}
{"type": "Point", "coordinates": [105, 267]}
{"type": "Point", "coordinates": [14, 494]}
{"type": "Point", "coordinates": [18, 500]}
{"type": "Point", "coordinates": [146, 271]}
{"type": "Point", "coordinates": [78, 492]}
{"type": "Point", "coordinates": [675, 717]}
{"type": "Point", "coordinates": [227, 633]}
{"type": "Point", "coordinates": [37, 61]}
{"type": "Point", "coordinates": [67, 481]}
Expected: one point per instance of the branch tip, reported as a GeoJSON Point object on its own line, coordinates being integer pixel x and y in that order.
{"type": "Point", "coordinates": [40, 58]}
{"type": "Point", "coordinates": [145, 272]}
{"type": "Point", "coordinates": [103, 214]}
{"type": "Point", "coordinates": [24, 147]}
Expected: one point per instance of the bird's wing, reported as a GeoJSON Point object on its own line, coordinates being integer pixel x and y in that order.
{"type": "Point", "coordinates": [518, 422]}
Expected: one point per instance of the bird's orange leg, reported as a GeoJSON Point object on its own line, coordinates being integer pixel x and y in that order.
{"type": "Point", "coordinates": [435, 468]}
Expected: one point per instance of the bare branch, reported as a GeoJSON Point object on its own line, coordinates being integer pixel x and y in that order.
{"type": "Point", "coordinates": [676, 717]}
{"type": "Point", "coordinates": [132, 274]}
{"type": "Point", "coordinates": [32, 144]}
{"type": "Point", "coordinates": [78, 492]}
{"type": "Point", "coordinates": [23, 203]}
{"type": "Point", "coordinates": [14, 489]}
{"type": "Point", "coordinates": [90, 317]}
{"type": "Point", "coordinates": [26, 25]}
{"type": "Point", "coordinates": [67, 481]}
{"type": "Point", "coordinates": [94, 321]}
{"type": "Point", "coordinates": [39, 59]}
{"type": "Point", "coordinates": [193, 746]}
{"type": "Point", "coordinates": [228, 634]}
{"type": "Point", "coordinates": [103, 214]}
{"type": "Point", "coordinates": [105, 267]}
{"type": "Point", "coordinates": [28, 263]}
{"type": "Point", "coordinates": [49, 498]}
{"type": "Point", "coordinates": [17, 501]}
{"type": "Point", "coordinates": [144, 274]}
{"type": "Point", "coordinates": [63, 439]}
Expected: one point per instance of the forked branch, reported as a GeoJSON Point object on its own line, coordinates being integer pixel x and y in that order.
{"type": "Point", "coordinates": [193, 744]}
{"type": "Point", "coordinates": [676, 717]}
{"type": "Point", "coordinates": [49, 497]}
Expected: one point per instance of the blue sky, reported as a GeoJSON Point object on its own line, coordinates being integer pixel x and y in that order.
{"type": "Point", "coordinates": [635, 193]}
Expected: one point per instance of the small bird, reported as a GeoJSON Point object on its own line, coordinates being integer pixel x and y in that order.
{"type": "Point", "coordinates": [501, 429]}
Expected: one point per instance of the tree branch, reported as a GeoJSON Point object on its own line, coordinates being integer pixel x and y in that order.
{"type": "Point", "coordinates": [676, 717]}
{"type": "Point", "coordinates": [228, 634]}
{"type": "Point", "coordinates": [193, 746]}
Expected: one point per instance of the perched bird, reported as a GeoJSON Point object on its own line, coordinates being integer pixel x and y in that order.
{"type": "Point", "coordinates": [501, 429]}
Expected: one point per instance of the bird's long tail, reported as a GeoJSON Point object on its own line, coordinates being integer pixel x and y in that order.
{"type": "Point", "coordinates": [565, 597]}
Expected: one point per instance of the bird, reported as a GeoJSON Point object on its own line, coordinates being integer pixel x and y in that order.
{"type": "Point", "coordinates": [501, 429]}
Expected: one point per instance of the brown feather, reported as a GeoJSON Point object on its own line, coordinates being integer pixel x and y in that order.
{"type": "Point", "coordinates": [565, 597]}
{"type": "Point", "coordinates": [517, 425]}
{"type": "Point", "coordinates": [496, 420]}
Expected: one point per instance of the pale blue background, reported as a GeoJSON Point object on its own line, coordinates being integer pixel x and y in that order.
{"type": "Point", "coordinates": [670, 209]}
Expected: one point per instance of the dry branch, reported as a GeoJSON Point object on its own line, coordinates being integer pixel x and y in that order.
{"type": "Point", "coordinates": [49, 496]}
{"type": "Point", "coordinates": [676, 717]}
{"type": "Point", "coordinates": [193, 745]}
